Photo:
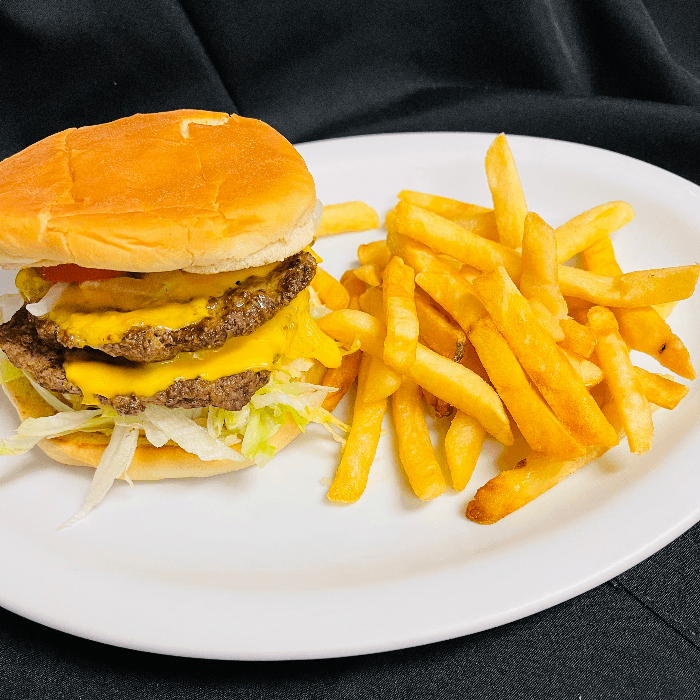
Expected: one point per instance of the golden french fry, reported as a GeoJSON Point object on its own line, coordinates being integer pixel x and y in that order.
{"type": "Point", "coordinates": [621, 378]}
{"type": "Point", "coordinates": [480, 220]}
{"type": "Point", "coordinates": [643, 328]}
{"type": "Point", "coordinates": [549, 322]}
{"type": "Point", "coordinates": [578, 338]}
{"type": "Point", "coordinates": [542, 430]}
{"type": "Point", "coordinates": [416, 452]}
{"type": "Point", "coordinates": [436, 331]}
{"type": "Point", "coordinates": [590, 373]}
{"type": "Point", "coordinates": [346, 217]}
{"type": "Point", "coordinates": [463, 443]}
{"type": "Point", "coordinates": [331, 293]}
{"type": "Point", "coordinates": [539, 278]}
{"type": "Point", "coordinates": [370, 274]}
{"type": "Point", "coordinates": [543, 360]}
{"type": "Point", "coordinates": [514, 488]}
{"type": "Point", "coordinates": [659, 390]}
{"type": "Point", "coordinates": [586, 229]}
{"type": "Point", "coordinates": [376, 253]}
{"type": "Point", "coordinates": [341, 378]}
{"type": "Point", "coordinates": [641, 288]}
{"type": "Point", "coordinates": [448, 380]}
{"type": "Point", "coordinates": [509, 203]}
{"type": "Point", "coordinates": [444, 206]}
{"type": "Point", "coordinates": [400, 315]}
{"type": "Point", "coordinates": [445, 236]}
{"type": "Point", "coordinates": [351, 476]}
{"type": "Point", "coordinates": [382, 381]}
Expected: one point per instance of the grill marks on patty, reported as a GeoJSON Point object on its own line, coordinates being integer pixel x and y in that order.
{"type": "Point", "coordinates": [238, 312]}
{"type": "Point", "coordinates": [36, 346]}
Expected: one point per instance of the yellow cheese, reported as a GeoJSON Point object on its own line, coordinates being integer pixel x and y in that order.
{"type": "Point", "coordinates": [99, 312]}
{"type": "Point", "coordinates": [290, 334]}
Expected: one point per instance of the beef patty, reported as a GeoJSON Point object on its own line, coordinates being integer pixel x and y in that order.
{"type": "Point", "coordinates": [239, 311]}
{"type": "Point", "coordinates": [43, 360]}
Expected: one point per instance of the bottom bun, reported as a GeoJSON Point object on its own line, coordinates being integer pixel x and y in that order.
{"type": "Point", "coordinates": [149, 463]}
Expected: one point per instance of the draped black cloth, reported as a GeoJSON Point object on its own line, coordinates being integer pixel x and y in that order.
{"type": "Point", "coordinates": [619, 74]}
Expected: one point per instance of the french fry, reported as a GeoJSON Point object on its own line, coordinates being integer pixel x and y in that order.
{"type": "Point", "coordinates": [330, 291]}
{"type": "Point", "coordinates": [660, 390]}
{"type": "Point", "coordinates": [590, 373]}
{"type": "Point", "coordinates": [542, 430]}
{"type": "Point", "coordinates": [370, 274]}
{"type": "Point", "coordinates": [463, 443]}
{"type": "Point", "coordinates": [436, 331]}
{"type": "Point", "coordinates": [341, 377]}
{"type": "Point", "coordinates": [539, 277]}
{"type": "Point", "coordinates": [382, 381]}
{"type": "Point", "coordinates": [351, 476]}
{"type": "Point", "coordinates": [642, 288]}
{"type": "Point", "coordinates": [480, 220]}
{"type": "Point", "coordinates": [643, 328]}
{"type": "Point", "coordinates": [443, 206]}
{"type": "Point", "coordinates": [543, 360]}
{"type": "Point", "coordinates": [514, 488]}
{"type": "Point", "coordinates": [548, 321]}
{"type": "Point", "coordinates": [578, 338]}
{"type": "Point", "coordinates": [509, 203]}
{"type": "Point", "coordinates": [621, 378]}
{"type": "Point", "coordinates": [415, 449]}
{"type": "Point", "coordinates": [346, 217]}
{"type": "Point", "coordinates": [400, 315]}
{"type": "Point", "coordinates": [448, 380]}
{"type": "Point", "coordinates": [376, 253]}
{"type": "Point", "coordinates": [586, 229]}
{"type": "Point", "coordinates": [447, 237]}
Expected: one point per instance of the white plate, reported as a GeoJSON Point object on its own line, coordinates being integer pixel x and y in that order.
{"type": "Point", "coordinates": [258, 565]}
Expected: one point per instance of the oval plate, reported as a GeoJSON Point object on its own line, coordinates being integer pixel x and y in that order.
{"type": "Point", "coordinates": [258, 565]}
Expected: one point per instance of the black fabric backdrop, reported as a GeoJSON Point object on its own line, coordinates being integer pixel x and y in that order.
{"type": "Point", "coordinates": [619, 74]}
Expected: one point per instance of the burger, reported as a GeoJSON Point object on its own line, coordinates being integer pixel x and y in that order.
{"type": "Point", "coordinates": [164, 322]}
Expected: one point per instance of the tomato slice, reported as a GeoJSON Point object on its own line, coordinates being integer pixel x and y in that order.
{"type": "Point", "coordinates": [75, 273]}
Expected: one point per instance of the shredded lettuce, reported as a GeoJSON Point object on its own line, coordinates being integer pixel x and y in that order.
{"type": "Point", "coordinates": [115, 461]}
{"type": "Point", "coordinates": [207, 433]}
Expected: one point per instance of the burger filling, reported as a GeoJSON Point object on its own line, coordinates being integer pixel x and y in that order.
{"type": "Point", "coordinates": [216, 339]}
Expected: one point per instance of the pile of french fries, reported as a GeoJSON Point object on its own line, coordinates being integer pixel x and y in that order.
{"type": "Point", "coordinates": [470, 312]}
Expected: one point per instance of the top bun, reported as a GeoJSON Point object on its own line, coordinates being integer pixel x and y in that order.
{"type": "Point", "coordinates": [193, 190]}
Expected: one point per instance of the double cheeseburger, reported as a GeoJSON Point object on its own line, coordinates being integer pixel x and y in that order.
{"type": "Point", "coordinates": [163, 266]}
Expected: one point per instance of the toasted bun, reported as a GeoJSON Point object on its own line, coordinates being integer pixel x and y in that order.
{"type": "Point", "coordinates": [149, 463]}
{"type": "Point", "coordinates": [194, 190]}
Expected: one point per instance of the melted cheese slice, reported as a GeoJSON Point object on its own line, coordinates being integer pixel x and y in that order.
{"type": "Point", "coordinates": [100, 312]}
{"type": "Point", "coordinates": [290, 334]}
